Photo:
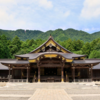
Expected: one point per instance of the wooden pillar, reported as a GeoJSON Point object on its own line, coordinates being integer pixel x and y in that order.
{"type": "Point", "coordinates": [21, 73]}
{"type": "Point", "coordinates": [73, 73]}
{"type": "Point", "coordinates": [91, 71]}
{"type": "Point", "coordinates": [38, 73]}
{"type": "Point", "coordinates": [12, 73]}
{"type": "Point", "coordinates": [62, 72]}
{"type": "Point", "coordinates": [38, 65]}
{"type": "Point", "coordinates": [27, 73]}
{"type": "Point", "coordinates": [80, 73]}
{"type": "Point", "coordinates": [9, 73]}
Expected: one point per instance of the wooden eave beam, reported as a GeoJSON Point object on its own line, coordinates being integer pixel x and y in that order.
{"type": "Point", "coordinates": [19, 67]}
{"type": "Point", "coordinates": [86, 64]}
{"type": "Point", "coordinates": [50, 61]}
{"type": "Point", "coordinates": [50, 65]}
{"type": "Point", "coordinates": [82, 67]}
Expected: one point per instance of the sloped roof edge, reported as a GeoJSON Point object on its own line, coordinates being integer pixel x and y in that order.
{"type": "Point", "coordinates": [96, 67]}
{"type": "Point", "coordinates": [86, 61]}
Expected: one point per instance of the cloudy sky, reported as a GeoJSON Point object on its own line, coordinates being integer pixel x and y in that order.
{"type": "Point", "coordinates": [50, 14]}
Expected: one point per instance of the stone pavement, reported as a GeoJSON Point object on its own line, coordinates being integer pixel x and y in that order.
{"type": "Point", "coordinates": [50, 91]}
{"type": "Point", "coordinates": [50, 94]}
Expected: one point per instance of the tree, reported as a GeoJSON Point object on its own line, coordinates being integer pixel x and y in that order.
{"type": "Point", "coordinates": [78, 44]}
{"type": "Point", "coordinates": [4, 50]}
{"type": "Point", "coordinates": [95, 54]}
{"type": "Point", "coordinates": [31, 42]}
{"type": "Point", "coordinates": [86, 49]}
{"type": "Point", "coordinates": [16, 41]}
{"type": "Point", "coordinates": [78, 52]}
{"type": "Point", "coordinates": [24, 45]}
{"type": "Point", "coordinates": [97, 46]}
{"type": "Point", "coordinates": [69, 45]}
{"type": "Point", "coordinates": [13, 49]}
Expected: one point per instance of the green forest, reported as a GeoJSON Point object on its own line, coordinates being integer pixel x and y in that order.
{"type": "Point", "coordinates": [16, 46]}
{"type": "Point", "coordinates": [57, 34]}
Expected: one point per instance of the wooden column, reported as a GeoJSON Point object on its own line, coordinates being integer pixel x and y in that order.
{"type": "Point", "coordinates": [21, 73]}
{"type": "Point", "coordinates": [9, 73]}
{"type": "Point", "coordinates": [38, 65]}
{"type": "Point", "coordinates": [80, 73]}
{"type": "Point", "coordinates": [27, 73]}
{"type": "Point", "coordinates": [91, 71]}
{"type": "Point", "coordinates": [38, 73]}
{"type": "Point", "coordinates": [73, 73]}
{"type": "Point", "coordinates": [12, 73]}
{"type": "Point", "coordinates": [62, 72]}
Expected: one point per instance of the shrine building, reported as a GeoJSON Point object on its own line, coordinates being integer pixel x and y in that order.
{"type": "Point", "coordinates": [50, 62]}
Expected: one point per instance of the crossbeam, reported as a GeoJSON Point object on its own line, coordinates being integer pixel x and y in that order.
{"type": "Point", "coordinates": [50, 65]}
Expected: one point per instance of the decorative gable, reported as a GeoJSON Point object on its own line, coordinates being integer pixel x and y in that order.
{"type": "Point", "coordinates": [50, 46]}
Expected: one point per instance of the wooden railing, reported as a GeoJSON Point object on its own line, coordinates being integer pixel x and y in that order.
{"type": "Point", "coordinates": [18, 80]}
{"type": "Point", "coordinates": [82, 80]}
{"type": "Point", "coordinates": [50, 78]}
{"type": "Point", "coordinates": [5, 78]}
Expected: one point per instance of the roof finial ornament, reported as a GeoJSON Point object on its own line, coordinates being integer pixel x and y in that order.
{"type": "Point", "coordinates": [50, 36]}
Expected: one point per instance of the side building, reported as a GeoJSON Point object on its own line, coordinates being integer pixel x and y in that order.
{"type": "Point", "coordinates": [50, 62]}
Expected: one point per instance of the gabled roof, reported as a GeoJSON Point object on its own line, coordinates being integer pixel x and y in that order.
{"type": "Point", "coordinates": [36, 55]}
{"type": "Point", "coordinates": [50, 38]}
{"type": "Point", "coordinates": [96, 67]}
{"type": "Point", "coordinates": [3, 67]}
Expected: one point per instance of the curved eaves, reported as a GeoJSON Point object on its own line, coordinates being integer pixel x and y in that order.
{"type": "Point", "coordinates": [36, 55]}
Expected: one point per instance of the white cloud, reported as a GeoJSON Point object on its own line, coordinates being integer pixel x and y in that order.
{"type": "Point", "coordinates": [92, 29]}
{"type": "Point", "coordinates": [45, 3]}
{"type": "Point", "coordinates": [66, 14]}
{"type": "Point", "coordinates": [4, 16]}
{"type": "Point", "coordinates": [40, 3]}
{"type": "Point", "coordinates": [15, 13]}
{"type": "Point", "coordinates": [9, 21]}
{"type": "Point", "coordinates": [86, 29]}
{"type": "Point", "coordinates": [7, 1]}
{"type": "Point", "coordinates": [91, 9]}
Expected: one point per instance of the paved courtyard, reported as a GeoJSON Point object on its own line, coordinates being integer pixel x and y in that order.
{"type": "Point", "coordinates": [50, 91]}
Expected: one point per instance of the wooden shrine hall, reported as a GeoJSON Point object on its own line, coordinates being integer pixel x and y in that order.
{"type": "Point", "coordinates": [50, 62]}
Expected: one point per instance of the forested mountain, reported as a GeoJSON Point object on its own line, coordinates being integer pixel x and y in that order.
{"type": "Point", "coordinates": [58, 34]}
{"type": "Point", "coordinates": [70, 39]}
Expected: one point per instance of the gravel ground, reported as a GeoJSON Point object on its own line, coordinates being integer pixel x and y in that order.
{"type": "Point", "coordinates": [13, 98]}
{"type": "Point", "coordinates": [16, 92]}
{"type": "Point", "coordinates": [2, 84]}
{"type": "Point", "coordinates": [70, 88]}
{"type": "Point", "coordinates": [87, 98]}
{"type": "Point", "coordinates": [82, 91]}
